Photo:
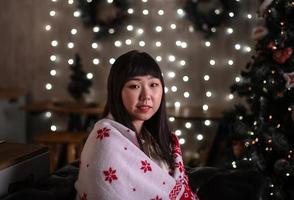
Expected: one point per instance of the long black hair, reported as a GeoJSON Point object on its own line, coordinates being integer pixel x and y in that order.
{"type": "Point", "coordinates": [127, 66]}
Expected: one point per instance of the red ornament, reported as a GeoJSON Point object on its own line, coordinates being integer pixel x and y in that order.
{"type": "Point", "coordinates": [282, 55]}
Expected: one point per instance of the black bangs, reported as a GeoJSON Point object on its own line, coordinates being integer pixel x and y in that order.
{"type": "Point", "coordinates": [142, 64]}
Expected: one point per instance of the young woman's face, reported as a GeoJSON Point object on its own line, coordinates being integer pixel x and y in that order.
{"type": "Point", "coordinates": [141, 97]}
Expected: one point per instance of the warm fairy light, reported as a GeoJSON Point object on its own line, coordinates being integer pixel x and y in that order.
{"type": "Point", "coordinates": [178, 132]}
{"type": "Point", "coordinates": [128, 41]}
{"type": "Point", "coordinates": [173, 26]}
{"type": "Point", "coordinates": [234, 164]}
{"type": "Point", "coordinates": [206, 77]}
{"type": "Point", "coordinates": [191, 29]}
{"type": "Point", "coordinates": [94, 45]}
{"type": "Point", "coordinates": [130, 11]}
{"type": "Point", "coordinates": [208, 94]}
{"type": "Point", "coordinates": [171, 74]}
{"type": "Point", "coordinates": [171, 58]}
{"type": "Point", "coordinates": [165, 89]}
{"type": "Point", "coordinates": [207, 122]}
{"type": "Point", "coordinates": [237, 79]}
{"type": "Point", "coordinates": [48, 114]}
{"type": "Point", "coordinates": [247, 49]}
{"type": "Point", "coordinates": [130, 27]}
{"type": "Point", "coordinates": [118, 43]}
{"type": "Point", "coordinates": [186, 94]}
{"type": "Point", "coordinates": [171, 119]}
{"type": "Point", "coordinates": [145, 12]}
{"type": "Point", "coordinates": [160, 12]}
{"type": "Point", "coordinates": [174, 88]}
{"type": "Point", "coordinates": [111, 60]}
{"type": "Point", "coordinates": [158, 58]}
{"type": "Point", "coordinates": [109, 1]}
{"type": "Point", "coordinates": [158, 43]}
{"type": "Point", "coordinates": [70, 61]}
{"type": "Point", "coordinates": [47, 27]}
{"type": "Point", "coordinates": [230, 62]}
{"type": "Point", "coordinates": [53, 58]}
{"type": "Point", "coordinates": [249, 16]}
{"type": "Point", "coordinates": [158, 28]}
{"type": "Point", "coordinates": [182, 141]}
{"type": "Point", "coordinates": [71, 2]}
{"type": "Point", "coordinates": [212, 62]}
{"type": "Point", "coordinates": [205, 107]}
{"type": "Point", "coordinates": [207, 44]}
{"type": "Point", "coordinates": [70, 45]}
{"type": "Point", "coordinates": [77, 13]}
{"type": "Point", "coordinates": [140, 31]}
{"type": "Point", "coordinates": [90, 76]}
{"type": "Point", "coordinates": [111, 31]}
{"type": "Point", "coordinates": [54, 43]}
{"type": "Point", "coordinates": [53, 128]}
{"type": "Point", "coordinates": [73, 31]}
{"type": "Point", "coordinates": [53, 72]}
{"type": "Point", "coordinates": [188, 125]}
{"type": "Point", "coordinates": [230, 30]}
{"type": "Point", "coordinates": [141, 43]}
{"type": "Point", "coordinates": [48, 86]}
{"type": "Point", "coordinates": [96, 61]}
{"type": "Point", "coordinates": [231, 96]}
{"type": "Point", "coordinates": [184, 45]}
{"type": "Point", "coordinates": [185, 78]}
{"type": "Point", "coordinates": [52, 13]}
{"type": "Point", "coordinates": [180, 12]}
{"type": "Point", "coordinates": [237, 46]}
{"type": "Point", "coordinates": [96, 29]}
{"type": "Point", "coordinates": [199, 137]}
{"type": "Point", "coordinates": [177, 104]}
{"type": "Point", "coordinates": [182, 62]}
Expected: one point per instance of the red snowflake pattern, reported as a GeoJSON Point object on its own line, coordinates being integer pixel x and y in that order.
{"type": "Point", "coordinates": [180, 166]}
{"type": "Point", "coordinates": [110, 175]}
{"type": "Point", "coordinates": [157, 198]}
{"type": "Point", "coordinates": [103, 132]}
{"type": "Point", "coordinates": [84, 197]}
{"type": "Point", "coordinates": [146, 166]}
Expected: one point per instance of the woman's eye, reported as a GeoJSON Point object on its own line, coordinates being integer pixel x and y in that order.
{"type": "Point", "coordinates": [154, 84]}
{"type": "Point", "coordinates": [134, 86]}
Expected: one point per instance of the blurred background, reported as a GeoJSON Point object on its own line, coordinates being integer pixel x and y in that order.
{"type": "Point", "coordinates": [55, 56]}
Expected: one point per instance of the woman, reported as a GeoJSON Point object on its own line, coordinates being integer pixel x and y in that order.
{"type": "Point", "coordinates": [131, 153]}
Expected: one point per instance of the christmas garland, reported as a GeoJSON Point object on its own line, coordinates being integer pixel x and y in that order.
{"type": "Point", "coordinates": [106, 16]}
{"type": "Point", "coordinates": [206, 15]}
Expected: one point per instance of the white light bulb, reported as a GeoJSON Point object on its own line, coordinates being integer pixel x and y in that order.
{"type": "Point", "coordinates": [171, 119]}
{"type": "Point", "coordinates": [178, 43]}
{"type": "Point", "coordinates": [177, 104]}
{"type": "Point", "coordinates": [165, 89]}
{"type": "Point", "coordinates": [53, 58]}
{"type": "Point", "coordinates": [54, 43]}
{"type": "Point", "coordinates": [118, 43]}
{"type": "Point", "coordinates": [178, 132]}
{"type": "Point", "coordinates": [208, 94]}
{"type": "Point", "coordinates": [188, 125]}
{"type": "Point", "coordinates": [217, 11]}
{"type": "Point", "coordinates": [96, 29]}
{"type": "Point", "coordinates": [237, 46]}
{"type": "Point", "coordinates": [160, 12]}
{"type": "Point", "coordinates": [171, 58]}
{"type": "Point", "coordinates": [145, 12]}
{"type": "Point", "coordinates": [180, 12]}
{"type": "Point", "coordinates": [230, 62]}
{"type": "Point", "coordinates": [48, 114]}
{"type": "Point", "coordinates": [70, 45]}
{"type": "Point", "coordinates": [249, 16]}
{"type": "Point", "coordinates": [111, 60]}
{"type": "Point", "coordinates": [140, 31]}
{"type": "Point", "coordinates": [174, 88]}
{"type": "Point", "coordinates": [247, 49]}
{"type": "Point", "coordinates": [182, 141]}
{"type": "Point", "coordinates": [207, 44]}
{"type": "Point", "coordinates": [231, 14]}
{"type": "Point", "coordinates": [158, 28]}
{"type": "Point", "coordinates": [173, 26]}
{"type": "Point", "coordinates": [230, 30]}
{"type": "Point", "coordinates": [48, 86]}
{"type": "Point", "coordinates": [144, 1]}
{"type": "Point", "coordinates": [184, 45]}
{"type": "Point", "coordinates": [94, 45]}
{"type": "Point", "coordinates": [191, 29]}
{"type": "Point", "coordinates": [47, 27]}
{"type": "Point", "coordinates": [206, 77]}
{"type": "Point", "coordinates": [70, 61]}
{"type": "Point", "coordinates": [182, 63]}
{"type": "Point", "coordinates": [237, 79]}
{"type": "Point", "coordinates": [73, 31]}
{"type": "Point", "coordinates": [185, 78]}
{"type": "Point", "coordinates": [205, 107]}
{"type": "Point", "coordinates": [111, 31]}
{"type": "Point", "coordinates": [53, 128]}
{"type": "Point", "coordinates": [77, 13]}
{"type": "Point", "coordinates": [130, 11]}
{"type": "Point", "coordinates": [130, 27]}
{"type": "Point", "coordinates": [171, 74]}
{"type": "Point", "coordinates": [231, 96]}
{"type": "Point", "coordinates": [199, 137]}
{"type": "Point", "coordinates": [96, 61]}
{"type": "Point", "coordinates": [128, 42]}
{"type": "Point", "coordinates": [141, 43]}
{"type": "Point", "coordinates": [158, 58]}
{"type": "Point", "coordinates": [186, 94]}
{"type": "Point", "coordinates": [52, 13]}
{"type": "Point", "coordinates": [109, 1]}
{"type": "Point", "coordinates": [207, 122]}
{"type": "Point", "coordinates": [53, 72]}
{"type": "Point", "coordinates": [158, 44]}
{"type": "Point", "coordinates": [212, 62]}
{"type": "Point", "coordinates": [70, 2]}
{"type": "Point", "coordinates": [90, 75]}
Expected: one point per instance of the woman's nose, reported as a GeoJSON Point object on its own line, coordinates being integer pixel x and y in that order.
{"type": "Point", "coordinates": [145, 94]}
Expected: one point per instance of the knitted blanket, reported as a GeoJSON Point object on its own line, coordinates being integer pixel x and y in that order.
{"type": "Point", "coordinates": [113, 167]}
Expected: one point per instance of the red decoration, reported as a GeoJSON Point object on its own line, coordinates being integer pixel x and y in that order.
{"type": "Point", "coordinates": [84, 197]}
{"type": "Point", "coordinates": [110, 175]}
{"type": "Point", "coordinates": [282, 55]}
{"type": "Point", "coordinates": [259, 32]}
{"type": "Point", "coordinates": [157, 198]}
{"type": "Point", "coordinates": [145, 166]}
{"type": "Point", "coordinates": [103, 132]}
{"type": "Point", "coordinates": [180, 166]}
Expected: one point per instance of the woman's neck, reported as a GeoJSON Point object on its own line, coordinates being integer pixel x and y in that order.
{"type": "Point", "coordinates": [138, 126]}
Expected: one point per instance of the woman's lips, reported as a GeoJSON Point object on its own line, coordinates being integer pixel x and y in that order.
{"type": "Point", "coordinates": [144, 108]}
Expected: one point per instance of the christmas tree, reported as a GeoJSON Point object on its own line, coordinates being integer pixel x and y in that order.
{"type": "Point", "coordinates": [262, 130]}
{"type": "Point", "coordinates": [79, 84]}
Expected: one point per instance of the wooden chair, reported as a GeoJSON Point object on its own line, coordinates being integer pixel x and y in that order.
{"type": "Point", "coordinates": [73, 141]}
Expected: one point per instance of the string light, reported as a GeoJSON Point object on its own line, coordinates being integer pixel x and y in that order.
{"type": "Point", "coordinates": [199, 137]}
{"type": "Point", "coordinates": [53, 128]}
{"type": "Point", "coordinates": [178, 132]}
{"type": "Point", "coordinates": [171, 119]}
{"type": "Point", "coordinates": [207, 122]}
{"type": "Point", "coordinates": [188, 125]}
